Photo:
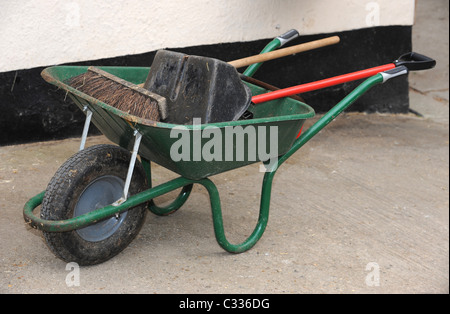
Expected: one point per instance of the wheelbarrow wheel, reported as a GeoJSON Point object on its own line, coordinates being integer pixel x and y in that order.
{"type": "Point", "coordinates": [91, 179]}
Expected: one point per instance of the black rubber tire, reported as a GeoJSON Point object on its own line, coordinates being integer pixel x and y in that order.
{"type": "Point", "coordinates": [66, 187]}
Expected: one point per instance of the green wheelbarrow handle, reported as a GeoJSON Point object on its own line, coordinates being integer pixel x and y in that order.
{"type": "Point", "coordinates": [271, 46]}
{"type": "Point", "coordinates": [334, 112]}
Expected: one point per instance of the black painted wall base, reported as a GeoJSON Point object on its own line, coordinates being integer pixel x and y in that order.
{"type": "Point", "coordinates": [33, 110]}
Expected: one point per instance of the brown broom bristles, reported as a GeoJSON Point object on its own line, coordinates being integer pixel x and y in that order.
{"type": "Point", "coordinates": [116, 95]}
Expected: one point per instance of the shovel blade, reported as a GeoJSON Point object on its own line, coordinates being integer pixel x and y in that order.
{"type": "Point", "coordinates": [197, 87]}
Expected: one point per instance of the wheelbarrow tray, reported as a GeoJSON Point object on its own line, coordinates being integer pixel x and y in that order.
{"type": "Point", "coordinates": [286, 115]}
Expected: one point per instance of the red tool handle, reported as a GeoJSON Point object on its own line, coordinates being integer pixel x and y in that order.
{"type": "Point", "coordinates": [299, 89]}
{"type": "Point", "coordinates": [413, 61]}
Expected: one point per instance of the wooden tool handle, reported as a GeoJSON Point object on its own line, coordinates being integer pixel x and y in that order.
{"type": "Point", "coordinates": [282, 52]}
{"type": "Point", "coordinates": [285, 52]}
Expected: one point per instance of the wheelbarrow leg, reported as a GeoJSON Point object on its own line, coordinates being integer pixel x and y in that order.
{"type": "Point", "coordinates": [172, 207]}
{"type": "Point", "coordinates": [218, 219]}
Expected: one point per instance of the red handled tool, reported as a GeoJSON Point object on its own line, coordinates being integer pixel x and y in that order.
{"type": "Point", "coordinates": [308, 87]}
{"type": "Point", "coordinates": [412, 61]}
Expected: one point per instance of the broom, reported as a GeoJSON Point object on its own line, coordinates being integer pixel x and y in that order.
{"type": "Point", "coordinates": [120, 94]}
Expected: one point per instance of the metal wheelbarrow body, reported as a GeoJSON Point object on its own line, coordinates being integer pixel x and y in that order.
{"type": "Point", "coordinates": [153, 141]}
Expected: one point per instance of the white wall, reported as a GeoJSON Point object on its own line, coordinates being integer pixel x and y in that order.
{"type": "Point", "coordinates": [45, 32]}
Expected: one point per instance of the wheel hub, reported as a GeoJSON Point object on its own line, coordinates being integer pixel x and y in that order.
{"type": "Point", "coordinates": [102, 192]}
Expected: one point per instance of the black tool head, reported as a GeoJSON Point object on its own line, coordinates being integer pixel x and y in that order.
{"type": "Point", "coordinates": [197, 87]}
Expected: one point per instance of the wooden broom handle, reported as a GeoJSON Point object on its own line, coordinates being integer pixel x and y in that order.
{"type": "Point", "coordinates": [285, 52]}
{"type": "Point", "coordinates": [282, 52]}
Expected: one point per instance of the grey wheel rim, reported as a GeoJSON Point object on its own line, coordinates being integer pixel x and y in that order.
{"type": "Point", "coordinates": [99, 193]}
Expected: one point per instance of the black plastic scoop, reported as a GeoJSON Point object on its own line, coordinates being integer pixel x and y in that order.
{"type": "Point", "coordinates": [197, 87]}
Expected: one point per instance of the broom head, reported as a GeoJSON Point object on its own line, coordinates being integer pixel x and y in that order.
{"type": "Point", "coordinates": [120, 94]}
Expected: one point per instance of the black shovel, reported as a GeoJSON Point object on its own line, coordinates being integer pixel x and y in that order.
{"type": "Point", "coordinates": [208, 88]}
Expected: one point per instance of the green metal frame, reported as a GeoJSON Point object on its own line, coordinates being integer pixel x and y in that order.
{"type": "Point", "coordinates": [187, 184]}
{"type": "Point", "coordinates": [274, 44]}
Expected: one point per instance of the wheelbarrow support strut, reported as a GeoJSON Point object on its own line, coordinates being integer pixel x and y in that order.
{"type": "Point", "coordinates": [87, 123]}
{"type": "Point", "coordinates": [137, 143]}
{"type": "Point", "coordinates": [148, 195]}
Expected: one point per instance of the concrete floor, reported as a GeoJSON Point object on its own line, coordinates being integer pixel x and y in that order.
{"type": "Point", "coordinates": [369, 195]}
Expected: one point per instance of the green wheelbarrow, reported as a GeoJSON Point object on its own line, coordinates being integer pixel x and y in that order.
{"type": "Point", "coordinates": [97, 201]}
